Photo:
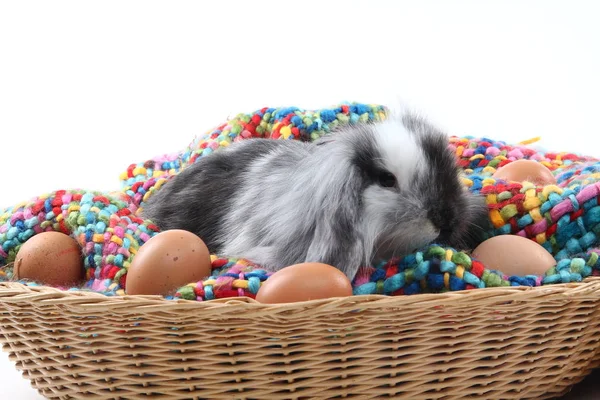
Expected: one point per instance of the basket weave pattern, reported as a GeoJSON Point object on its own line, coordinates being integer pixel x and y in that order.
{"type": "Point", "coordinates": [529, 337]}
{"type": "Point", "coordinates": [493, 343]}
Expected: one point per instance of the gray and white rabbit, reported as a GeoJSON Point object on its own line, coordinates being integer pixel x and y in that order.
{"type": "Point", "coordinates": [366, 192]}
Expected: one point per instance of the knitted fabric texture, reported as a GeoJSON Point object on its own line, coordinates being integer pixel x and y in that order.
{"type": "Point", "coordinates": [564, 218]}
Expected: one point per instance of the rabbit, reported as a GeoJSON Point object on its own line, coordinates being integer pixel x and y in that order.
{"type": "Point", "coordinates": [366, 192]}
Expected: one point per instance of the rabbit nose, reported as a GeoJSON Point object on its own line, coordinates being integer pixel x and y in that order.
{"type": "Point", "coordinates": [437, 220]}
{"type": "Point", "coordinates": [441, 223]}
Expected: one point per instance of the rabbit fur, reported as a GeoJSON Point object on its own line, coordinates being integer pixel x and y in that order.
{"type": "Point", "coordinates": [363, 193]}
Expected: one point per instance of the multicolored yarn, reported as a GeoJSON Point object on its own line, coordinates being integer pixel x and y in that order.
{"type": "Point", "coordinates": [564, 218]}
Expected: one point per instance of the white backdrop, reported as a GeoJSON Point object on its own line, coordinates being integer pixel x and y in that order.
{"type": "Point", "coordinates": [88, 87]}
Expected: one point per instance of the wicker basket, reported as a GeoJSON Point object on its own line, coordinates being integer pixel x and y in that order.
{"type": "Point", "coordinates": [505, 342]}
{"type": "Point", "coordinates": [494, 343]}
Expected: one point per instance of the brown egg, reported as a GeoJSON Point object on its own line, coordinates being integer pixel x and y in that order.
{"type": "Point", "coordinates": [514, 255]}
{"type": "Point", "coordinates": [50, 258]}
{"type": "Point", "coordinates": [167, 261]}
{"type": "Point", "coordinates": [302, 282]}
{"type": "Point", "coordinates": [526, 170]}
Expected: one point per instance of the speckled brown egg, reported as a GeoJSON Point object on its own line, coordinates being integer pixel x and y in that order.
{"type": "Point", "coordinates": [514, 255]}
{"type": "Point", "coordinates": [303, 282]}
{"type": "Point", "coordinates": [526, 170]}
{"type": "Point", "coordinates": [50, 258]}
{"type": "Point", "coordinates": [167, 261]}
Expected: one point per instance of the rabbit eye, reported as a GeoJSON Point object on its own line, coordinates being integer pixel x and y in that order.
{"type": "Point", "coordinates": [387, 179]}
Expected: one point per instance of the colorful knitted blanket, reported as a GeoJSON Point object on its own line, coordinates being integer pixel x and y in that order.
{"type": "Point", "coordinates": [563, 218]}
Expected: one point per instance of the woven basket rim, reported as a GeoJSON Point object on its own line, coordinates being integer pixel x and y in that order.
{"type": "Point", "coordinates": [454, 333]}
{"type": "Point", "coordinates": [85, 301]}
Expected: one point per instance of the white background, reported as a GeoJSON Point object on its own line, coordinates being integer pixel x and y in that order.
{"type": "Point", "coordinates": [88, 87]}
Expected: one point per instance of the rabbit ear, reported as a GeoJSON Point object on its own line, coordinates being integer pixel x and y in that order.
{"type": "Point", "coordinates": [337, 240]}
